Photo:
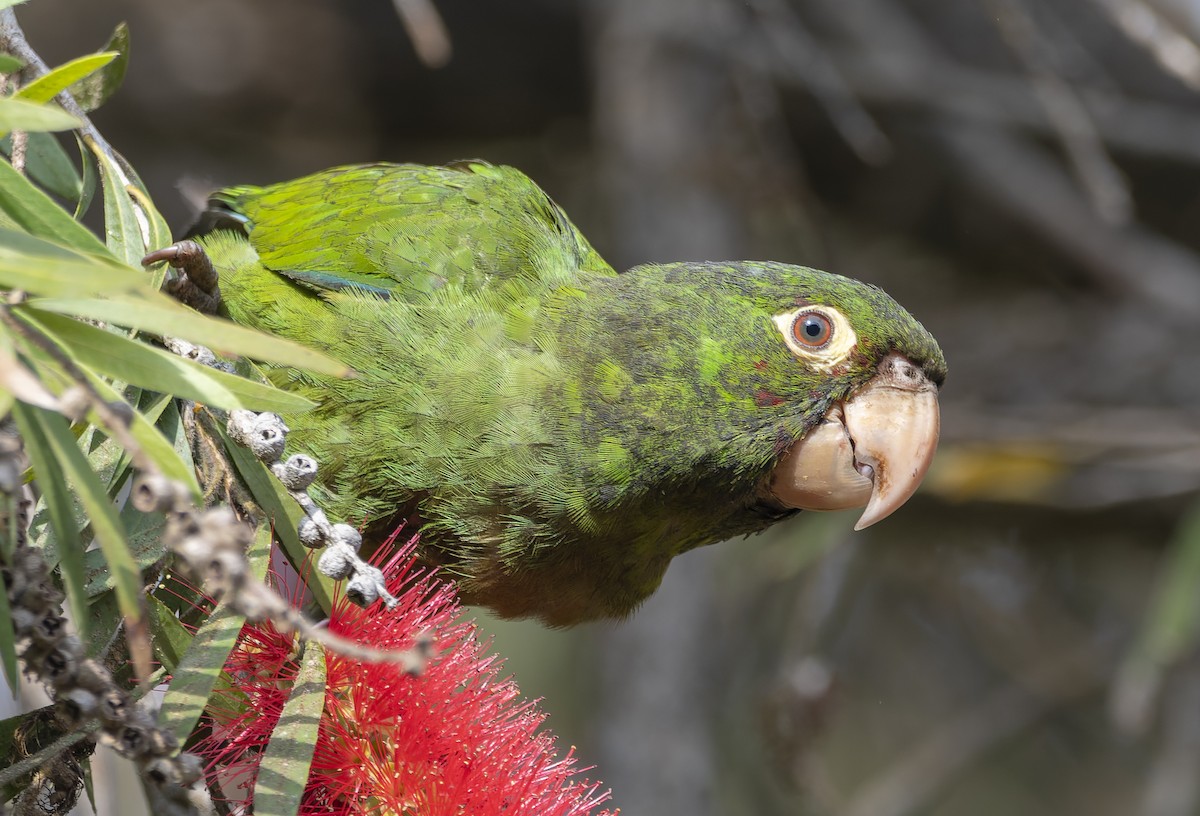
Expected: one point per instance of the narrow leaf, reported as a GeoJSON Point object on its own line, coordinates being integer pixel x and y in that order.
{"type": "Point", "coordinates": [146, 545]}
{"type": "Point", "coordinates": [1170, 630]}
{"type": "Point", "coordinates": [285, 765]}
{"type": "Point", "coordinates": [17, 114]}
{"type": "Point", "coordinates": [57, 80]}
{"type": "Point", "coordinates": [164, 316]}
{"type": "Point", "coordinates": [153, 443]}
{"type": "Point", "coordinates": [19, 381]}
{"type": "Point", "coordinates": [159, 233]}
{"type": "Point", "coordinates": [49, 165]}
{"type": "Point", "coordinates": [94, 90]}
{"type": "Point", "coordinates": [10, 64]}
{"type": "Point", "coordinates": [127, 237]}
{"type": "Point", "coordinates": [90, 180]}
{"type": "Point", "coordinates": [37, 213]}
{"type": "Point", "coordinates": [38, 267]}
{"type": "Point", "coordinates": [8, 638]}
{"type": "Point", "coordinates": [258, 555]}
{"type": "Point", "coordinates": [169, 636]}
{"type": "Point", "coordinates": [139, 364]}
{"type": "Point", "coordinates": [68, 547]}
{"type": "Point", "coordinates": [106, 527]}
{"type": "Point", "coordinates": [196, 675]}
{"type": "Point", "coordinates": [9, 3]}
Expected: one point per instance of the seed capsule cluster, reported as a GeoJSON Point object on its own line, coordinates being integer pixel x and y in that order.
{"type": "Point", "coordinates": [266, 436]}
{"type": "Point", "coordinates": [82, 688]}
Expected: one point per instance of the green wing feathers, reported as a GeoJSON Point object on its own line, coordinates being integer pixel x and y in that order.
{"type": "Point", "coordinates": [410, 230]}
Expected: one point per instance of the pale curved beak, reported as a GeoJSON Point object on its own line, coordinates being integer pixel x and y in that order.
{"type": "Point", "coordinates": [873, 449]}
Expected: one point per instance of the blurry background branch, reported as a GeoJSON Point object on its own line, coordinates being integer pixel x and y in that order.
{"type": "Point", "coordinates": [426, 30]}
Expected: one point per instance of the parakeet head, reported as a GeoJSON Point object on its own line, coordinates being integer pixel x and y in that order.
{"type": "Point", "coordinates": [872, 374]}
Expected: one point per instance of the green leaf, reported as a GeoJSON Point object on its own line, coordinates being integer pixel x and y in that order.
{"type": "Point", "coordinates": [196, 675]}
{"type": "Point", "coordinates": [1174, 619]}
{"type": "Point", "coordinates": [89, 785]}
{"type": "Point", "coordinates": [94, 90]}
{"type": "Point", "coordinates": [1171, 627]}
{"type": "Point", "coordinates": [282, 512]}
{"type": "Point", "coordinates": [57, 80]}
{"type": "Point", "coordinates": [8, 638]}
{"type": "Point", "coordinates": [38, 215]}
{"type": "Point", "coordinates": [123, 232]}
{"type": "Point", "coordinates": [18, 114]}
{"type": "Point", "coordinates": [106, 526]}
{"type": "Point", "coordinates": [17, 381]}
{"type": "Point", "coordinates": [48, 164]}
{"type": "Point", "coordinates": [10, 64]}
{"type": "Point", "coordinates": [6, 402]}
{"type": "Point", "coordinates": [170, 424]}
{"type": "Point", "coordinates": [170, 638]}
{"type": "Point", "coordinates": [153, 443]}
{"type": "Point", "coordinates": [88, 185]}
{"type": "Point", "coordinates": [68, 548]}
{"type": "Point", "coordinates": [139, 364]}
{"type": "Point", "coordinates": [41, 268]}
{"type": "Point", "coordinates": [146, 545]}
{"type": "Point", "coordinates": [258, 554]}
{"type": "Point", "coordinates": [285, 765]}
{"type": "Point", "coordinates": [159, 232]}
{"type": "Point", "coordinates": [164, 316]}
{"type": "Point", "coordinates": [10, 3]}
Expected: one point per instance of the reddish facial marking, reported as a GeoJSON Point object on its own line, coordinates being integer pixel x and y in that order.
{"type": "Point", "coordinates": [765, 399]}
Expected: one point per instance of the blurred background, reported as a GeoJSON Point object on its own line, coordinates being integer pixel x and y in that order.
{"type": "Point", "coordinates": [1023, 175]}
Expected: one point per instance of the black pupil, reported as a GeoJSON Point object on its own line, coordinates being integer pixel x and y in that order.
{"type": "Point", "coordinates": [813, 328]}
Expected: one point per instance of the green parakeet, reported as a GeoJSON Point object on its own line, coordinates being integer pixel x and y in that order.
{"type": "Point", "coordinates": [559, 432]}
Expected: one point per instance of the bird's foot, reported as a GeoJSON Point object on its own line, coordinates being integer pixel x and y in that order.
{"type": "Point", "coordinates": [197, 286]}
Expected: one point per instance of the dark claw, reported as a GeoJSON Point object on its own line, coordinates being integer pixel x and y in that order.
{"type": "Point", "coordinates": [198, 288]}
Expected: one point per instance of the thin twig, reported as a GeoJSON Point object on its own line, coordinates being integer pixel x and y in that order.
{"type": "Point", "coordinates": [20, 144]}
{"type": "Point", "coordinates": [13, 41]}
{"type": "Point", "coordinates": [1067, 114]}
{"type": "Point", "coordinates": [425, 28]}
{"type": "Point", "coordinates": [1178, 54]}
{"type": "Point", "coordinates": [799, 53]}
{"type": "Point", "coordinates": [67, 741]}
{"type": "Point", "coordinates": [924, 80]}
{"type": "Point", "coordinates": [1033, 188]}
{"type": "Point", "coordinates": [31, 763]}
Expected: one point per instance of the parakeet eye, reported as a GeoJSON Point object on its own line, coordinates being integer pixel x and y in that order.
{"type": "Point", "coordinates": [812, 329]}
{"type": "Point", "coordinates": [819, 336]}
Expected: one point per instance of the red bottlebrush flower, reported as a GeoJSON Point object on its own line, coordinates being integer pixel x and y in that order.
{"type": "Point", "coordinates": [456, 739]}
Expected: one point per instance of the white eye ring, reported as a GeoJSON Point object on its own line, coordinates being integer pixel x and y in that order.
{"type": "Point", "coordinates": [835, 343]}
